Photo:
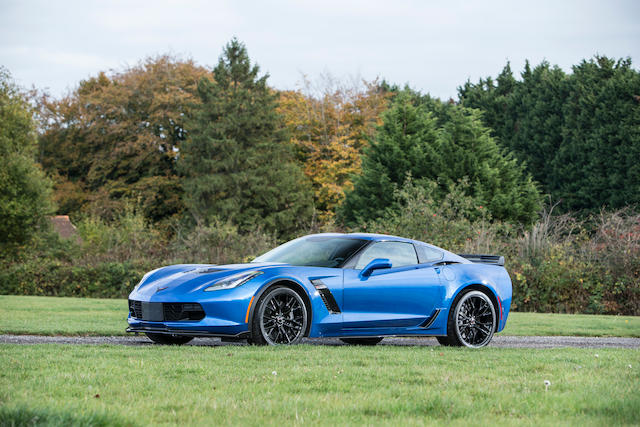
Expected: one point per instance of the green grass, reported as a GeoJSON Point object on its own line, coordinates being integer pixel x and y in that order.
{"type": "Point", "coordinates": [62, 316]}
{"type": "Point", "coordinates": [586, 325]}
{"type": "Point", "coordinates": [78, 316]}
{"type": "Point", "coordinates": [325, 385]}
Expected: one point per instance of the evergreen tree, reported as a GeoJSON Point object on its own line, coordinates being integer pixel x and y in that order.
{"type": "Point", "coordinates": [578, 134]}
{"type": "Point", "coordinates": [24, 190]}
{"type": "Point", "coordinates": [453, 147]}
{"type": "Point", "coordinates": [597, 162]}
{"type": "Point", "coordinates": [237, 163]}
{"type": "Point", "coordinates": [401, 147]}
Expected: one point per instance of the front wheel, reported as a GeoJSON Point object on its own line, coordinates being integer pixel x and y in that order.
{"type": "Point", "coordinates": [472, 322]}
{"type": "Point", "coordinates": [362, 341]}
{"type": "Point", "coordinates": [168, 339]}
{"type": "Point", "coordinates": [280, 317]}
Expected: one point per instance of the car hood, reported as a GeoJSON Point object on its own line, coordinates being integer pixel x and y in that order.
{"type": "Point", "coordinates": [186, 278]}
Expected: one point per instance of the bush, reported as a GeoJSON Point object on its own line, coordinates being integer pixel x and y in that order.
{"type": "Point", "coordinates": [457, 222]}
{"type": "Point", "coordinates": [220, 243]}
{"type": "Point", "coordinates": [49, 277]}
{"type": "Point", "coordinates": [112, 257]}
{"type": "Point", "coordinates": [562, 265]}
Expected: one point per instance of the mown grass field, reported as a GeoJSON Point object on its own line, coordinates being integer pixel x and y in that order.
{"type": "Point", "coordinates": [327, 385]}
{"type": "Point", "coordinates": [86, 316]}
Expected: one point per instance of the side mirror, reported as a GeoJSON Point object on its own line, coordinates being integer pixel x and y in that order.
{"type": "Point", "coordinates": [375, 264]}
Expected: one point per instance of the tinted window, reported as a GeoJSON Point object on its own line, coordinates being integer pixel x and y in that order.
{"type": "Point", "coordinates": [318, 251]}
{"type": "Point", "coordinates": [427, 254]}
{"type": "Point", "coordinates": [398, 253]}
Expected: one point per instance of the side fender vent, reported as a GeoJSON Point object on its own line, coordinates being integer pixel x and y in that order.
{"type": "Point", "coordinates": [427, 323]}
{"type": "Point", "coordinates": [327, 296]}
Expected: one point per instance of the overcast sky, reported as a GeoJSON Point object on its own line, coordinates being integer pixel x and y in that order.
{"type": "Point", "coordinates": [434, 46]}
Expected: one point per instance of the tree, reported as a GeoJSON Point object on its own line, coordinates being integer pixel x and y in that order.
{"type": "Point", "coordinates": [24, 190]}
{"type": "Point", "coordinates": [524, 116]}
{"type": "Point", "coordinates": [577, 133]}
{"type": "Point", "coordinates": [597, 163]}
{"type": "Point", "coordinates": [330, 123]}
{"type": "Point", "coordinates": [412, 142]}
{"type": "Point", "coordinates": [114, 140]}
{"type": "Point", "coordinates": [238, 163]}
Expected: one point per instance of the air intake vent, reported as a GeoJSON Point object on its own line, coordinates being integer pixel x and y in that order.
{"type": "Point", "coordinates": [169, 312]}
{"type": "Point", "coordinates": [327, 296]}
{"type": "Point", "coordinates": [135, 309]}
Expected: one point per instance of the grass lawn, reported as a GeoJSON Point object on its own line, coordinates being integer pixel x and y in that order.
{"type": "Point", "coordinates": [85, 316]}
{"type": "Point", "coordinates": [107, 385]}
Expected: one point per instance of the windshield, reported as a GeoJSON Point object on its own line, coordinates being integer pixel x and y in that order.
{"type": "Point", "coordinates": [316, 251]}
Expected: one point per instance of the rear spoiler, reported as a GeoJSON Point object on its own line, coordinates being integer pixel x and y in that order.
{"type": "Point", "coordinates": [484, 259]}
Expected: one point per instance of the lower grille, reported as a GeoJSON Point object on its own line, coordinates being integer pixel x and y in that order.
{"type": "Point", "coordinates": [182, 311]}
{"type": "Point", "coordinates": [168, 311]}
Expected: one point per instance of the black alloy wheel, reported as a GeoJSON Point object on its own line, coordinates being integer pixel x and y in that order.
{"type": "Point", "coordinates": [168, 339]}
{"type": "Point", "coordinates": [472, 322]}
{"type": "Point", "coordinates": [280, 317]}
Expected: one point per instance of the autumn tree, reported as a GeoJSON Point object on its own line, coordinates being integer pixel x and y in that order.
{"type": "Point", "coordinates": [238, 163]}
{"type": "Point", "coordinates": [115, 139]}
{"type": "Point", "coordinates": [24, 190]}
{"type": "Point", "coordinates": [330, 123]}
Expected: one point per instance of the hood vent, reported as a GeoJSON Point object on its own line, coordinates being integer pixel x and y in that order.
{"type": "Point", "coordinates": [205, 270]}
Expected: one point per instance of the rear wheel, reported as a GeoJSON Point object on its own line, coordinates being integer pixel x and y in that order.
{"type": "Point", "coordinates": [168, 339]}
{"type": "Point", "coordinates": [472, 321]}
{"type": "Point", "coordinates": [280, 317]}
{"type": "Point", "coordinates": [362, 341]}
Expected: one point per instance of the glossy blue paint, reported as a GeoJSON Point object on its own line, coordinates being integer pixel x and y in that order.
{"type": "Point", "coordinates": [388, 301]}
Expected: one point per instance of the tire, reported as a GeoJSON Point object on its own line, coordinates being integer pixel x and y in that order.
{"type": "Point", "coordinates": [168, 339]}
{"type": "Point", "coordinates": [443, 341]}
{"type": "Point", "coordinates": [280, 317]}
{"type": "Point", "coordinates": [472, 321]}
{"type": "Point", "coordinates": [362, 341]}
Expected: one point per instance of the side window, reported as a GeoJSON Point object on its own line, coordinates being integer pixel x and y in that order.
{"type": "Point", "coordinates": [427, 254]}
{"type": "Point", "coordinates": [399, 253]}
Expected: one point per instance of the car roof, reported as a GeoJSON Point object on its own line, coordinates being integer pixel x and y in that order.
{"type": "Point", "coordinates": [386, 237]}
{"type": "Point", "coordinates": [365, 236]}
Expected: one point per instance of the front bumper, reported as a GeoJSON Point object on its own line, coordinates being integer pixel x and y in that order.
{"type": "Point", "coordinates": [208, 314]}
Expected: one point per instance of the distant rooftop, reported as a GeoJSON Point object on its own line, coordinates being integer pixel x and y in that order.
{"type": "Point", "coordinates": [63, 226]}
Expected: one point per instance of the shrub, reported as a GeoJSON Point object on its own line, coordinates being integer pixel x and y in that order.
{"type": "Point", "coordinates": [220, 243]}
{"type": "Point", "coordinates": [112, 257]}
{"type": "Point", "coordinates": [49, 277]}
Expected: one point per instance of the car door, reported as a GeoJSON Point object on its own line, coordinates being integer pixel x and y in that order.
{"type": "Point", "coordinates": [402, 296]}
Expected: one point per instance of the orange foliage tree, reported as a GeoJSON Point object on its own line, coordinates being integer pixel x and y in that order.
{"type": "Point", "coordinates": [114, 140]}
{"type": "Point", "coordinates": [330, 123]}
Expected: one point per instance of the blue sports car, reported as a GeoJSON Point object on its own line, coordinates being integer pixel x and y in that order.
{"type": "Point", "coordinates": [358, 287]}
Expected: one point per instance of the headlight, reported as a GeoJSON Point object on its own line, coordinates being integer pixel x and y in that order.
{"type": "Point", "coordinates": [233, 281]}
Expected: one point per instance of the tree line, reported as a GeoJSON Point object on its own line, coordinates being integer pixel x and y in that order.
{"type": "Point", "coordinates": [167, 160]}
{"type": "Point", "coordinates": [182, 143]}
